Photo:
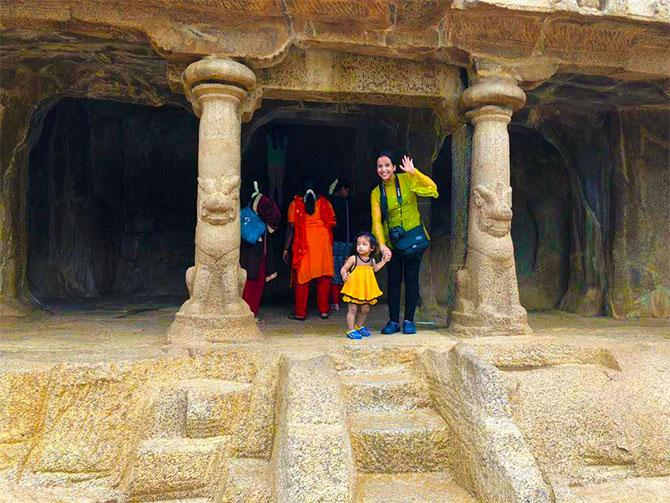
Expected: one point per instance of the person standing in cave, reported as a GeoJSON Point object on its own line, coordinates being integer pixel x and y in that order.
{"type": "Point", "coordinates": [338, 194]}
{"type": "Point", "coordinates": [396, 223]}
{"type": "Point", "coordinates": [258, 259]}
{"type": "Point", "coordinates": [276, 144]}
{"type": "Point", "coordinates": [310, 237]}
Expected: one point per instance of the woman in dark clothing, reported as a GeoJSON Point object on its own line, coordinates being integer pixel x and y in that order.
{"type": "Point", "coordinates": [258, 258]}
{"type": "Point", "coordinates": [338, 194]}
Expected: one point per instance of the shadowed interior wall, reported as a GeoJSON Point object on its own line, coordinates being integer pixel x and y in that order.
{"type": "Point", "coordinates": [112, 192]}
{"type": "Point", "coordinates": [541, 203]}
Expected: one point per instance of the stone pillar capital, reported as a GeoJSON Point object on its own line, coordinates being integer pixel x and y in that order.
{"type": "Point", "coordinates": [214, 77]}
{"type": "Point", "coordinates": [494, 90]}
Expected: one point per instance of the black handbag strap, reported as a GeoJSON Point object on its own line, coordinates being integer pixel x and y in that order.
{"type": "Point", "coordinates": [383, 200]}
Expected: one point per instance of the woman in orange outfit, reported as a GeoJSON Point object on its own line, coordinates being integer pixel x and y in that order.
{"type": "Point", "coordinates": [310, 230]}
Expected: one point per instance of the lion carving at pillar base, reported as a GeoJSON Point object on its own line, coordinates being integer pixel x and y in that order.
{"type": "Point", "coordinates": [216, 281]}
{"type": "Point", "coordinates": [487, 296]}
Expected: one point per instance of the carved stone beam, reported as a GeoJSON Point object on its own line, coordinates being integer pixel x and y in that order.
{"type": "Point", "coordinates": [215, 312]}
{"type": "Point", "coordinates": [487, 296]}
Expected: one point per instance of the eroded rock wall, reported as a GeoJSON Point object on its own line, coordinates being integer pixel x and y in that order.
{"type": "Point", "coordinates": [541, 201]}
{"type": "Point", "coordinates": [640, 258]}
{"type": "Point", "coordinates": [612, 140]}
{"type": "Point", "coordinates": [111, 201]}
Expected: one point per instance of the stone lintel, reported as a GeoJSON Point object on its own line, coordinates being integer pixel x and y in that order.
{"type": "Point", "coordinates": [331, 76]}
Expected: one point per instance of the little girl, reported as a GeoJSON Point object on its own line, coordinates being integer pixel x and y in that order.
{"type": "Point", "coordinates": [360, 288]}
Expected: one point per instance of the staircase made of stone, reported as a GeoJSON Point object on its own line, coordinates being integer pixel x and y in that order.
{"type": "Point", "coordinates": [184, 456]}
{"type": "Point", "coordinates": [400, 443]}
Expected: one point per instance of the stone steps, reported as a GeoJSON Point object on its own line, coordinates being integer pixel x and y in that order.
{"type": "Point", "coordinates": [184, 456]}
{"type": "Point", "coordinates": [399, 441]}
{"type": "Point", "coordinates": [384, 392]}
{"type": "Point", "coordinates": [432, 487]}
{"type": "Point", "coordinates": [363, 358]}
{"type": "Point", "coordinates": [198, 408]}
{"type": "Point", "coordinates": [214, 406]}
{"type": "Point", "coordinates": [389, 369]}
{"type": "Point", "coordinates": [174, 468]}
{"type": "Point", "coordinates": [246, 481]}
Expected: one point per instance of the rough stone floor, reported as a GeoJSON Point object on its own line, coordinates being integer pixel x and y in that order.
{"type": "Point", "coordinates": [589, 396]}
{"type": "Point", "coordinates": [110, 330]}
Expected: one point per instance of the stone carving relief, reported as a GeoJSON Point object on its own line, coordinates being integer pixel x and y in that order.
{"type": "Point", "coordinates": [219, 199]}
{"type": "Point", "coordinates": [217, 277]}
{"type": "Point", "coordinates": [494, 209]}
{"type": "Point", "coordinates": [487, 293]}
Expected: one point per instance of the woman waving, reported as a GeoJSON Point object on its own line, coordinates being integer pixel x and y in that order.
{"type": "Point", "coordinates": [396, 223]}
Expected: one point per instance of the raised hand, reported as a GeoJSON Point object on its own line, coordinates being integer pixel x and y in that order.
{"type": "Point", "coordinates": [407, 165]}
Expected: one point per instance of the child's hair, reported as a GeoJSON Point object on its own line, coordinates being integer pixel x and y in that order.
{"type": "Point", "coordinates": [371, 240]}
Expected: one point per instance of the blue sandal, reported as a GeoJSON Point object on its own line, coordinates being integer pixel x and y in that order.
{"type": "Point", "coordinates": [365, 331]}
{"type": "Point", "coordinates": [355, 335]}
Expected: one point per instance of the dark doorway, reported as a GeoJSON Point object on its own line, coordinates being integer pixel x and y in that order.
{"type": "Point", "coordinates": [111, 201]}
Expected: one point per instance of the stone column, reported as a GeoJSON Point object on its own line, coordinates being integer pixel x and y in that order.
{"type": "Point", "coordinates": [487, 296]}
{"type": "Point", "coordinates": [215, 311]}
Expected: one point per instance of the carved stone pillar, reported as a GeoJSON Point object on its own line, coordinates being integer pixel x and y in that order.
{"type": "Point", "coordinates": [215, 311]}
{"type": "Point", "coordinates": [487, 296]}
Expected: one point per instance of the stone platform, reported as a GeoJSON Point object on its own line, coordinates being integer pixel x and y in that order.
{"type": "Point", "coordinates": [99, 408]}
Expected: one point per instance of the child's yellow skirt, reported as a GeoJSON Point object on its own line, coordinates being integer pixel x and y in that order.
{"type": "Point", "coordinates": [361, 287]}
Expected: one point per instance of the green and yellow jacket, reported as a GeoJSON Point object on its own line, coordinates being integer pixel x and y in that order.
{"type": "Point", "coordinates": [411, 186]}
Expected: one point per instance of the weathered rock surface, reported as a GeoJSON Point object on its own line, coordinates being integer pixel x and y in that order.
{"type": "Point", "coordinates": [616, 157]}
{"type": "Point", "coordinates": [313, 456]}
{"type": "Point", "coordinates": [590, 415]}
{"type": "Point", "coordinates": [576, 415]}
{"type": "Point", "coordinates": [111, 201]}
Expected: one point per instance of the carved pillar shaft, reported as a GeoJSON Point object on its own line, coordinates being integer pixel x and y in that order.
{"type": "Point", "coordinates": [487, 297]}
{"type": "Point", "coordinates": [215, 311]}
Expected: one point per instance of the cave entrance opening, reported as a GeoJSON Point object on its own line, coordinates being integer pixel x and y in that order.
{"type": "Point", "coordinates": [112, 194]}
{"type": "Point", "coordinates": [111, 204]}
{"type": "Point", "coordinates": [323, 142]}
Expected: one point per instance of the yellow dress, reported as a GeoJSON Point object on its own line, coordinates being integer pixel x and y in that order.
{"type": "Point", "coordinates": [361, 286]}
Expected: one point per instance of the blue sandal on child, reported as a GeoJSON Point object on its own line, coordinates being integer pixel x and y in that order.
{"type": "Point", "coordinates": [365, 331]}
{"type": "Point", "coordinates": [354, 334]}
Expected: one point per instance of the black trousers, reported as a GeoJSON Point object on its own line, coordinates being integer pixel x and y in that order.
{"type": "Point", "coordinates": [398, 267]}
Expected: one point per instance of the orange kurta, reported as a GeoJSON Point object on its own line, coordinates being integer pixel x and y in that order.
{"type": "Point", "coordinates": [312, 239]}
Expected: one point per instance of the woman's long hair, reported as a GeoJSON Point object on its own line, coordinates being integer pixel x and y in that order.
{"type": "Point", "coordinates": [309, 196]}
{"type": "Point", "coordinates": [386, 153]}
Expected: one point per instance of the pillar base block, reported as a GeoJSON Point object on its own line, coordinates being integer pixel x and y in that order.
{"type": "Point", "coordinates": [198, 329]}
{"type": "Point", "coordinates": [13, 309]}
{"type": "Point", "coordinates": [489, 324]}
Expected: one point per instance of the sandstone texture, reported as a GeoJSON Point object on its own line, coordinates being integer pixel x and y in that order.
{"type": "Point", "coordinates": [595, 75]}
{"type": "Point", "coordinates": [130, 135]}
{"type": "Point", "coordinates": [575, 411]}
